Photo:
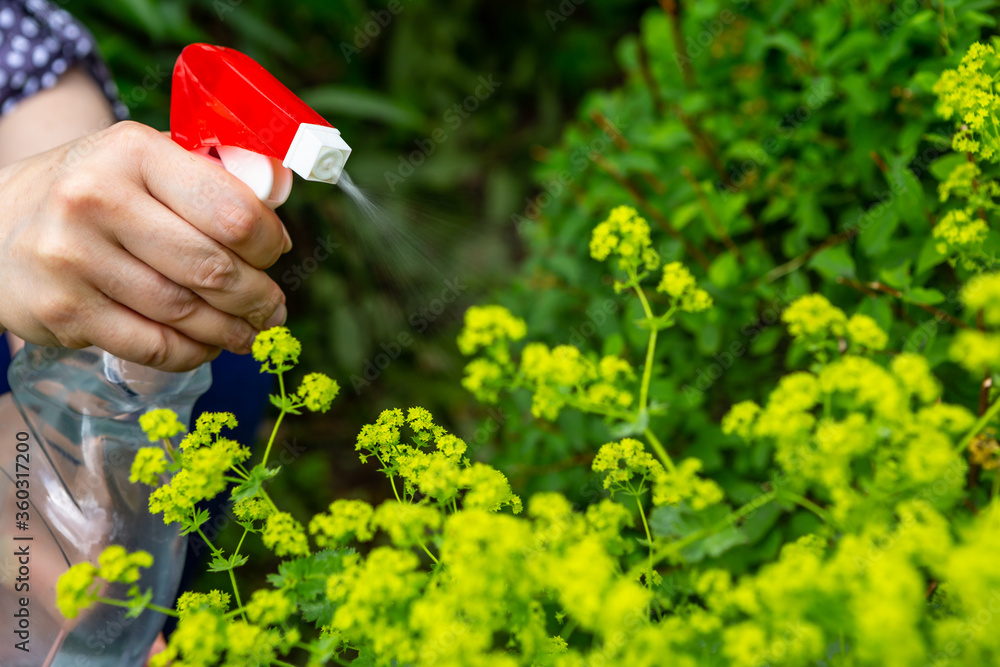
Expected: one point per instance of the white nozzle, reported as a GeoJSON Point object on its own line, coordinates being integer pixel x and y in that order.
{"type": "Point", "coordinates": [317, 153]}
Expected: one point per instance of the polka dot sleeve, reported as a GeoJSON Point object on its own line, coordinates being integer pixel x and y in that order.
{"type": "Point", "coordinates": [40, 41]}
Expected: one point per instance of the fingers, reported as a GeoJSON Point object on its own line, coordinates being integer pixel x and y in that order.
{"type": "Point", "coordinates": [138, 287]}
{"type": "Point", "coordinates": [132, 337]}
{"type": "Point", "coordinates": [188, 258]}
{"type": "Point", "coordinates": [212, 200]}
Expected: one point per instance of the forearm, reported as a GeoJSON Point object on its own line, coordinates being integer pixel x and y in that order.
{"type": "Point", "coordinates": [73, 108]}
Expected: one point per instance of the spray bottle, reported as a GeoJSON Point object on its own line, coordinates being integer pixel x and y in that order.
{"type": "Point", "coordinates": [69, 430]}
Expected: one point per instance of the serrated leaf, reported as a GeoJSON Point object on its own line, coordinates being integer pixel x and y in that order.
{"type": "Point", "coordinates": [306, 578]}
{"type": "Point", "coordinates": [220, 564]}
{"type": "Point", "coordinates": [253, 484]}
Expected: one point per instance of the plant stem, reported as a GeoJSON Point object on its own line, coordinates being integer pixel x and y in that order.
{"type": "Point", "coordinates": [236, 592]}
{"type": "Point", "coordinates": [149, 605]}
{"type": "Point", "coordinates": [733, 517]}
{"type": "Point", "coordinates": [660, 450]}
{"type": "Point", "coordinates": [277, 423]}
{"type": "Point", "coordinates": [979, 426]}
{"type": "Point", "coordinates": [649, 538]}
{"type": "Point", "coordinates": [647, 371]}
{"type": "Point", "coordinates": [274, 433]}
{"type": "Point", "coordinates": [427, 551]}
{"type": "Point", "coordinates": [804, 502]}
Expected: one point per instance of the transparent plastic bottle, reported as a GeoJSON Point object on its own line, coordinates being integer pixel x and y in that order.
{"type": "Point", "coordinates": [70, 428]}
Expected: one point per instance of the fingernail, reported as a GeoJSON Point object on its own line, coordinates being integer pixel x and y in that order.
{"type": "Point", "coordinates": [288, 240]}
{"type": "Point", "coordinates": [278, 318]}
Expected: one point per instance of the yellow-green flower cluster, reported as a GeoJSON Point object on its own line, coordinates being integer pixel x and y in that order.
{"type": "Point", "coordinates": [202, 462]}
{"type": "Point", "coordinates": [407, 524]}
{"type": "Point", "coordinates": [214, 600]}
{"type": "Point", "coordinates": [161, 424]}
{"type": "Point", "coordinates": [490, 328]}
{"type": "Point", "coordinates": [967, 94]}
{"type": "Point", "coordinates": [317, 392]}
{"type": "Point", "coordinates": [624, 461]}
{"type": "Point", "coordinates": [625, 234]}
{"type": "Point", "coordinates": [682, 484]}
{"type": "Point", "coordinates": [740, 418]}
{"type": "Point", "coordinates": [147, 466]}
{"type": "Point", "coordinates": [960, 235]}
{"type": "Point", "coordinates": [202, 476]}
{"type": "Point", "coordinates": [982, 294]}
{"type": "Point", "coordinates": [563, 376]}
{"type": "Point", "coordinates": [268, 607]}
{"type": "Point", "coordinates": [346, 520]}
{"type": "Point", "coordinates": [976, 351]}
{"type": "Point", "coordinates": [434, 463]}
{"type": "Point", "coordinates": [78, 587]}
{"type": "Point", "coordinates": [276, 349]}
{"type": "Point", "coordinates": [814, 320]}
{"type": "Point", "coordinates": [204, 638]}
{"type": "Point", "coordinates": [823, 425]}
{"type": "Point", "coordinates": [865, 332]}
{"type": "Point", "coordinates": [627, 467]}
{"type": "Point", "coordinates": [284, 535]}
{"type": "Point", "coordinates": [967, 181]}
{"type": "Point", "coordinates": [680, 285]}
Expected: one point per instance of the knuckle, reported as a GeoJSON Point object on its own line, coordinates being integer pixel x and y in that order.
{"type": "Point", "coordinates": [262, 312]}
{"type": "Point", "coordinates": [57, 254]}
{"type": "Point", "coordinates": [154, 351]}
{"type": "Point", "coordinates": [238, 336]}
{"type": "Point", "coordinates": [217, 272]}
{"type": "Point", "coordinates": [130, 133]}
{"type": "Point", "coordinates": [59, 314]}
{"type": "Point", "coordinates": [181, 304]}
{"type": "Point", "coordinates": [237, 221]}
{"type": "Point", "coordinates": [78, 192]}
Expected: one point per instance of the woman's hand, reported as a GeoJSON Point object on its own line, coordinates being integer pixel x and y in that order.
{"type": "Point", "coordinates": [126, 241]}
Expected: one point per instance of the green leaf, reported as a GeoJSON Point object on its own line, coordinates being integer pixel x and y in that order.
{"type": "Point", "coordinates": [364, 104]}
{"type": "Point", "coordinates": [834, 262]}
{"type": "Point", "coordinates": [306, 578]}
{"type": "Point", "coordinates": [924, 295]}
{"type": "Point", "coordinates": [253, 484]}
{"type": "Point", "coordinates": [675, 522]}
{"type": "Point", "coordinates": [220, 564]}
{"type": "Point", "coordinates": [724, 271]}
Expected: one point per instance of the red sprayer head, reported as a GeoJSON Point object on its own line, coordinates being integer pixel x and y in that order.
{"type": "Point", "coordinates": [224, 100]}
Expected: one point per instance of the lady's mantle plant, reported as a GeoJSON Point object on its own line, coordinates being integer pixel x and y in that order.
{"type": "Point", "coordinates": [879, 521]}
